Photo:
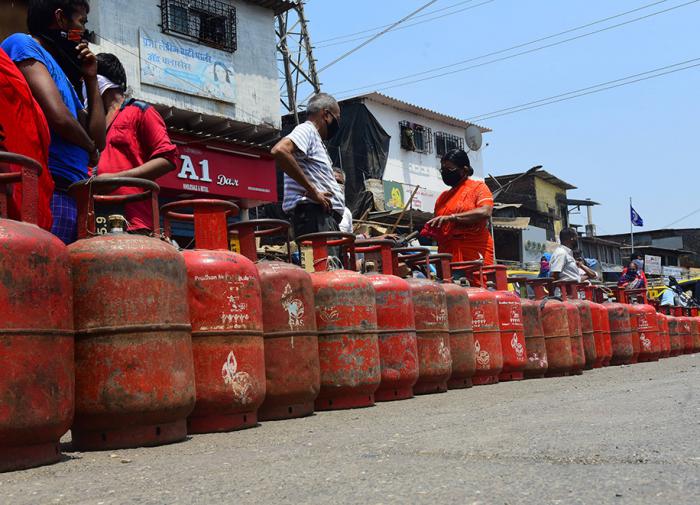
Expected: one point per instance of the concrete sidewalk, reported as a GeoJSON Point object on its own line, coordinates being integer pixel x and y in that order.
{"type": "Point", "coordinates": [621, 435]}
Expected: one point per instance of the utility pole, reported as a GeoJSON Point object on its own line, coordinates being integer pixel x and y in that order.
{"type": "Point", "coordinates": [295, 58]}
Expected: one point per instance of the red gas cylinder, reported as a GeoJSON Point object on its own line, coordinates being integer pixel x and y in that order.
{"type": "Point", "coordinates": [346, 317]}
{"type": "Point", "coordinates": [664, 337]}
{"type": "Point", "coordinates": [675, 336]}
{"type": "Point", "coordinates": [585, 312]}
{"type": "Point", "coordinates": [555, 325]}
{"type": "Point", "coordinates": [620, 333]}
{"type": "Point", "coordinates": [134, 382]}
{"type": "Point", "coordinates": [695, 328]}
{"type": "Point", "coordinates": [601, 326]}
{"type": "Point", "coordinates": [226, 315]}
{"type": "Point", "coordinates": [292, 370]}
{"type": "Point", "coordinates": [578, 353]}
{"type": "Point", "coordinates": [487, 336]}
{"type": "Point", "coordinates": [535, 345]}
{"type": "Point", "coordinates": [686, 331]}
{"type": "Point", "coordinates": [432, 327]}
{"type": "Point", "coordinates": [460, 319]}
{"type": "Point", "coordinates": [644, 321]}
{"type": "Point", "coordinates": [398, 347]}
{"type": "Point", "coordinates": [510, 318]}
{"type": "Point", "coordinates": [36, 330]}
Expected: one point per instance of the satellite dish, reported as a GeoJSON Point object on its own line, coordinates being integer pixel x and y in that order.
{"type": "Point", "coordinates": [474, 138]}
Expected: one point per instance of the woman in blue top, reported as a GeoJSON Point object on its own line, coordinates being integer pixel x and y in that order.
{"type": "Point", "coordinates": [54, 51]}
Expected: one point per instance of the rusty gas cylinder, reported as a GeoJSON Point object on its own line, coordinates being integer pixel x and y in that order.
{"type": "Point", "coordinates": [555, 326]}
{"type": "Point", "coordinates": [644, 320]}
{"type": "Point", "coordinates": [398, 347]}
{"type": "Point", "coordinates": [36, 329]}
{"type": "Point", "coordinates": [432, 327]}
{"type": "Point", "coordinates": [686, 333]}
{"type": "Point", "coordinates": [510, 320]}
{"type": "Point", "coordinates": [226, 315]}
{"type": "Point", "coordinates": [460, 321]}
{"type": "Point", "coordinates": [292, 369]}
{"type": "Point", "coordinates": [675, 336]}
{"type": "Point", "coordinates": [537, 364]}
{"type": "Point", "coordinates": [664, 336]}
{"type": "Point", "coordinates": [695, 329]}
{"type": "Point", "coordinates": [601, 326]}
{"type": "Point", "coordinates": [346, 318]}
{"type": "Point", "coordinates": [585, 312]}
{"type": "Point", "coordinates": [578, 353]}
{"type": "Point", "coordinates": [133, 350]}
{"type": "Point", "coordinates": [620, 333]}
{"type": "Point", "coordinates": [485, 325]}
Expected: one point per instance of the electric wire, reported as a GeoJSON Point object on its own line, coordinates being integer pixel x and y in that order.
{"type": "Point", "coordinates": [376, 36]}
{"type": "Point", "coordinates": [368, 30]}
{"type": "Point", "coordinates": [349, 92]}
{"type": "Point", "coordinates": [598, 88]}
{"type": "Point", "coordinates": [323, 46]}
{"type": "Point", "coordinates": [696, 211]}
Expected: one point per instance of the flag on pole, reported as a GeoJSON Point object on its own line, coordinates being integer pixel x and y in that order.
{"type": "Point", "coordinates": [636, 218]}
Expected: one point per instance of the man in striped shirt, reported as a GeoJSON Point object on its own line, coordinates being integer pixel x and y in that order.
{"type": "Point", "coordinates": [312, 197]}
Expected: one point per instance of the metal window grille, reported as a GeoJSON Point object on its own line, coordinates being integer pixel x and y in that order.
{"type": "Point", "coordinates": [445, 142]}
{"type": "Point", "coordinates": [415, 137]}
{"type": "Point", "coordinates": [209, 22]}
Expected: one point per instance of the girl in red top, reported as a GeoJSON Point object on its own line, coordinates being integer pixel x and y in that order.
{"type": "Point", "coordinates": [461, 222]}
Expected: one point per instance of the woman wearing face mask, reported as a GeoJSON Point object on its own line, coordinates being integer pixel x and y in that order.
{"type": "Point", "coordinates": [462, 213]}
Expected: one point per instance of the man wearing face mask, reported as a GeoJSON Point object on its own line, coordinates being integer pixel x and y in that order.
{"type": "Point", "coordinates": [53, 56]}
{"type": "Point", "coordinates": [462, 213]}
{"type": "Point", "coordinates": [312, 197]}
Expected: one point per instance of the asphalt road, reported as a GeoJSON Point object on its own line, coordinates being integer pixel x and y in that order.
{"type": "Point", "coordinates": [621, 435]}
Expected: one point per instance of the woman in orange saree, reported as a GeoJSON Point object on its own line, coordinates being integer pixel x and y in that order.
{"type": "Point", "coordinates": [462, 213]}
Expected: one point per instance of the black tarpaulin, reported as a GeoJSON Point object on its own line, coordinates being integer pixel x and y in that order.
{"type": "Point", "coordinates": [361, 148]}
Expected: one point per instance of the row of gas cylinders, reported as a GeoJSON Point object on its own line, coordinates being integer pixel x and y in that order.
{"type": "Point", "coordinates": [127, 341]}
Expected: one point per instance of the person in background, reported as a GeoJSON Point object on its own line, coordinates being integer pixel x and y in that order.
{"type": "Point", "coordinates": [312, 197]}
{"type": "Point", "coordinates": [670, 294]}
{"type": "Point", "coordinates": [138, 144]}
{"type": "Point", "coordinates": [346, 223]}
{"type": "Point", "coordinates": [55, 44]}
{"type": "Point", "coordinates": [23, 130]}
{"type": "Point", "coordinates": [462, 213]}
{"type": "Point", "coordinates": [544, 265]}
{"type": "Point", "coordinates": [563, 266]}
{"type": "Point", "coordinates": [639, 261]}
{"type": "Point", "coordinates": [632, 278]}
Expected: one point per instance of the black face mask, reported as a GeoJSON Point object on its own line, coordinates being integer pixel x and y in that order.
{"type": "Point", "coordinates": [66, 55]}
{"type": "Point", "coordinates": [332, 128]}
{"type": "Point", "coordinates": [452, 178]}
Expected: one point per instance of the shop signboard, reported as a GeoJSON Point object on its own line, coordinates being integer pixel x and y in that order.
{"type": "Point", "coordinates": [212, 171]}
{"type": "Point", "coordinates": [652, 265]}
{"type": "Point", "coordinates": [194, 69]}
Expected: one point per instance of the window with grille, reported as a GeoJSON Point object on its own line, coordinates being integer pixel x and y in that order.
{"type": "Point", "coordinates": [209, 22]}
{"type": "Point", "coordinates": [415, 137]}
{"type": "Point", "coordinates": [445, 142]}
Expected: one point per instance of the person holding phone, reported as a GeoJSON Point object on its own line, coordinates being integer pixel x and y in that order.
{"type": "Point", "coordinates": [54, 58]}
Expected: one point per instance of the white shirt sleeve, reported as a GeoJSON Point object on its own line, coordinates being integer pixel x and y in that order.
{"type": "Point", "coordinates": [301, 136]}
{"type": "Point", "coordinates": [557, 261]}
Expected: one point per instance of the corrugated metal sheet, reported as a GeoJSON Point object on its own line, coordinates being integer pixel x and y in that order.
{"type": "Point", "coordinates": [416, 109]}
{"type": "Point", "coordinates": [278, 6]}
{"type": "Point", "coordinates": [511, 223]}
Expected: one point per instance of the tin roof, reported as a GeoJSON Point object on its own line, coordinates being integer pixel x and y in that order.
{"type": "Point", "coordinates": [416, 109]}
{"type": "Point", "coordinates": [511, 223]}
{"type": "Point", "coordinates": [278, 6]}
{"type": "Point", "coordinates": [542, 174]}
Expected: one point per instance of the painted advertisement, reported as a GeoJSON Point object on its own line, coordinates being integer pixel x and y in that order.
{"type": "Point", "coordinates": [172, 63]}
{"type": "Point", "coordinates": [652, 265]}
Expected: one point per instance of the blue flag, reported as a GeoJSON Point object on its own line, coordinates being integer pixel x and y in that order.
{"type": "Point", "coordinates": [636, 218]}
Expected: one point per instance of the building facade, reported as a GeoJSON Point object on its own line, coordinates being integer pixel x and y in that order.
{"type": "Point", "coordinates": [419, 138]}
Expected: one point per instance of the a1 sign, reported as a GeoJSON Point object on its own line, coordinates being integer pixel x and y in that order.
{"type": "Point", "coordinates": [218, 173]}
